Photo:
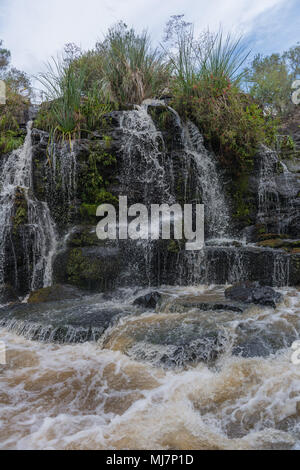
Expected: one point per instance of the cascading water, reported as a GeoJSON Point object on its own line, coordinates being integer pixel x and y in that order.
{"type": "Point", "coordinates": [37, 237]}
{"type": "Point", "coordinates": [179, 377]}
{"type": "Point", "coordinates": [146, 178]}
{"type": "Point", "coordinates": [150, 174]}
{"type": "Point", "coordinates": [152, 171]}
{"type": "Point", "coordinates": [63, 171]}
{"type": "Point", "coordinates": [151, 168]}
{"type": "Point", "coordinates": [268, 199]}
{"type": "Point", "coordinates": [196, 371]}
{"type": "Point", "coordinates": [209, 183]}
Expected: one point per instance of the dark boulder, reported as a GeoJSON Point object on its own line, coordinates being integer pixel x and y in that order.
{"type": "Point", "coordinates": [253, 292]}
{"type": "Point", "coordinates": [149, 300]}
{"type": "Point", "coordinates": [94, 268]}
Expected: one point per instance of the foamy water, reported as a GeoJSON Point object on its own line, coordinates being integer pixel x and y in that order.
{"type": "Point", "coordinates": [106, 396]}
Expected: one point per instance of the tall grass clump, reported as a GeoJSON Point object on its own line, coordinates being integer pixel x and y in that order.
{"type": "Point", "coordinates": [63, 86]}
{"type": "Point", "coordinates": [132, 70]}
{"type": "Point", "coordinates": [75, 99]}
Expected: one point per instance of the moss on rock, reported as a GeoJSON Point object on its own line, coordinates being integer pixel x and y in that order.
{"type": "Point", "coordinates": [279, 243]}
{"type": "Point", "coordinates": [93, 268]}
{"type": "Point", "coordinates": [21, 210]}
{"type": "Point", "coordinates": [54, 293]}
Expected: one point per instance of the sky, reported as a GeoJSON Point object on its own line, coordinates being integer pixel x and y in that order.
{"type": "Point", "coordinates": [36, 30]}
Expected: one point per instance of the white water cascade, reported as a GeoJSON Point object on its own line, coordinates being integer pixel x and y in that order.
{"type": "Point", "coordinates": [38, 237]}
{"type": "Point", "coordinates": [216, 209]}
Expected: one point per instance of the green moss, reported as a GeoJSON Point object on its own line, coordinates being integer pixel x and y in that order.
{"type": "Point", "coordinates": [243, 205]}
{"type": "Point", "coordinates": [40, 295]}
{"type": "Point", "coordinates": [96, 178]}
{"type": "Point", "coordinates": [21, 216]}
{"type": "Point", "coordinates": [107, 141]}
{"type": "Point", "coordinates": [261, 229]}
{"type": "Point", "coordinates": [279, 243]}
{"type": "Point", "coordinates": [21, 213]}
{"type": "Point", "coordinates": [271, 236]}
{"type": "Point", "coordinates": [88, 211]}
{"type": "Point", "coordinates": [85, 236]}
{"type": "Point", "coordinates": [88, 271]}
{"type": "Point", "coordinates": [272, 243]}
{"type": "Point", "coordinates": [106, 197]}
{"type": "Point", "coordinates": [174, 246]}
{"type": "Point", "coordinates": [10, 140]}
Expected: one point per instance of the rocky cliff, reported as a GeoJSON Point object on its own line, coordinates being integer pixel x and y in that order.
{"type": "Point", "coordinates": [151, 156]}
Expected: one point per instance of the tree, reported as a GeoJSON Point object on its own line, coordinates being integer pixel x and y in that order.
{"type": "Point", "coordinates": [292, 58]}
{"type": "Point", "coordinates": [270, 83]}
{"type": "Point", "coordinates": [18, 81]}
{"type": "Point", "coordinates": [4, 57]}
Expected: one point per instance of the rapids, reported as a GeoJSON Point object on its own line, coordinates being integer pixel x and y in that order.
{"type": "Point", "coordinates": [100, 372]}
{"type": "Point", "coordinates": [106, 394]}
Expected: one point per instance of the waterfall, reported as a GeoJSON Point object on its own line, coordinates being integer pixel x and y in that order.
{"type": "Point", "coordinates": [146, 177]}
{"type": "Point", "coordinates": [151, 172]}
{"type": "Point", "coordinates": [33, 236]}
{"type": "Point", "coordinates": [63, 170]}
{"type": "Point", "coordinates": [151, 168]}
{"type": "Point", "coordinates": [268, 199]}
{"type": "Point", "coordinates": [209, 182]}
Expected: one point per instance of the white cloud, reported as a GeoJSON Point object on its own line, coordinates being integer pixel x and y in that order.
{"type": "Point", "coordinates": [34, 30]}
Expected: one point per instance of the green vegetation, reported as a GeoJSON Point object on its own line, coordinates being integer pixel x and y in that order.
{"type": "Point", "coordinates": [71, 110]}
{"type": "Point", "coordinates": [281, 243]}
{"type": "Point", "coordinates": [206, 88]}
{"type": "Point", "coordinates": [96, 178]}
{"type": "Point", "coordinates": [235, 107]}
{"type": "Point", "coordinates": [270, 79]}
{"type": "Point", "coordinates": [87, 271]}
{"type": "Point", "coordinates": [82, 88]}
{"type": "Point", "coordinates": [17, 100]}
{"type": "Point", "coordinates": [205, 76]}
{"type": "Point", "coordinates": [132, 70]}
{"type": "Point", "coordinates": [21, 210]}
{"type": "Point", "coordinates": [64, 87]}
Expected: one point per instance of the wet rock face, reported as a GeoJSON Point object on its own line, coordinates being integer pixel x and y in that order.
{"type": "Point", "coordinates": [276, 187]}
{"type": "Point", "coordinates": [8, 294]}
{"type": "Point", "coordinates": [93, 268]}
{"type": "Point", "coordinates": [248, 292]}
{"type": "Point", "coordinates": [207, 349]}
{"type": "Point", "coordinates": [87, 262]}
{"type": "Point", "coordinates": [154, 165]}
{"type": "Point", "coordinates": [64, 321]}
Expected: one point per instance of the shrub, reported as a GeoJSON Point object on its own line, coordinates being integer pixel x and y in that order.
{"type": "Point", "coordinates": [206, 90]}
{"type": "Point", "coordinates": [11, 114]}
